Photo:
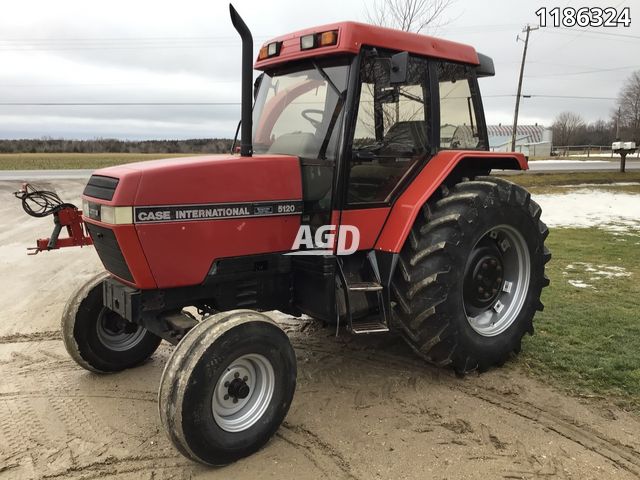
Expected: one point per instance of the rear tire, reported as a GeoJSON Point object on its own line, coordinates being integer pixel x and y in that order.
{"type": "Point", "coordinates": [99, 339]}
{"type": "Point", "coordinates": [227, 387]}
{"type": "Point", "coordinates": [470, 274]}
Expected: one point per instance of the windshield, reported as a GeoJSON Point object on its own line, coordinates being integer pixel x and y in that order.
{"type": "Point", "coordinates": [299, 111]}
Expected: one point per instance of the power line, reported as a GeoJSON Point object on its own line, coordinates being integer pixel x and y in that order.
{"type": "Point", "coordinates": [122, 43]}
{"type": "Point", "coordinates": [76, 85]}
{"type": "Point", "coordinates": [116, 104]}
{"type": "Point", "coordinates": [578, 97]}
{"type": "Point", "coordinates": [223, 104]}
{"type": "Point", "coordinates": [584, 72]}
{"type": "Point", "coordinates": [596, 32]}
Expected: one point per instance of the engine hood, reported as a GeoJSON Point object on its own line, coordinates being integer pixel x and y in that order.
{"type": "Point", "coordinates": [203, 180]}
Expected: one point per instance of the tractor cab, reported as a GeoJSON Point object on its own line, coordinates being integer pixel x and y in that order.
{"type": "Point", "coordinates": [364, 121]}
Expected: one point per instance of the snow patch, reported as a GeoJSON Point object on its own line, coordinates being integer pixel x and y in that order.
{"type": "Point", "coordinates": [594, 273]}
{"type": "Point", "coordinates": [613, 211]}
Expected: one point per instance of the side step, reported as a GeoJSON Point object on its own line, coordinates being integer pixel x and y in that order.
{"type": "Point", "coordinates": [365, 287]}
{"type": "Point", "coordinates": [367, 325]}
{"type": "Point", "coordinates": [376, 323]}
{"type": "Point", "coordinates": [370, 326]}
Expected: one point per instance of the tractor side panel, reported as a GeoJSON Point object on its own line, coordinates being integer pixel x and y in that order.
{"type": "Point", "coordinates": [408, 205]}
{"type": "Point", "coordinates": [181, 253]}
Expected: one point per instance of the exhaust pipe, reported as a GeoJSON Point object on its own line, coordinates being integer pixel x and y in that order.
{"type": "Point", "coordinates": [246, 148]}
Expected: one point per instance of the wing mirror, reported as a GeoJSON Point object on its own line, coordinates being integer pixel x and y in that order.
{"type": "Point", "coordinates": [398, 72]}
{"type": "Point", "coordinates": [256, 86]}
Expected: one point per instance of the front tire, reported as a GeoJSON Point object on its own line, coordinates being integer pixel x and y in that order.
{"type": "Point", "coordinates": [470, 275]}
{"type": "Point", "coordinates": [99, 339]}
{"type": "Point", "coordinates": [227, 387]}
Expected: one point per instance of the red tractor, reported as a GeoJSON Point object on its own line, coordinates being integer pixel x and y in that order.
{"type": "Point", "coordinates": [361, 196]}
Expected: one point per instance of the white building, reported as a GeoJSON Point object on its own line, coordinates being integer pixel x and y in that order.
{"type": "Point", "coordinates": [532, 140]}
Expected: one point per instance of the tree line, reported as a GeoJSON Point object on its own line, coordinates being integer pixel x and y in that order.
{"type": "Point", "coordinates": [110, 145]}
{"type": "Point", "coordinates": [569, 128]}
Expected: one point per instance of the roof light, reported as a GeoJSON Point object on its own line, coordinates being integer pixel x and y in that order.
{"type": "Point", "coordinates": [308, 41]}
{"type": "Point", "coordinates": [322, 39]}
{"type": "Point", "coordinates": [328, 38]}
{"type": "Point", "coordinates": [270, 50]}
{"type": "Point", "coordinates": [273, 49]}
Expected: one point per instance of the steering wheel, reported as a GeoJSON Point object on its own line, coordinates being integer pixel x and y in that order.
{"type": "Point", "coordinates": [312, 111]}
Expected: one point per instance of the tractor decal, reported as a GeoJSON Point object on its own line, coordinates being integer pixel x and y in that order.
{"type": "Point", "coordinates": [181, 213]}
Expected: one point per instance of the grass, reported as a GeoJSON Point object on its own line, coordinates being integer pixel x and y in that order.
{"type": "Point", "coordinates": [588, 339]}
{"type": "Point", "coordinates": [54, 161]}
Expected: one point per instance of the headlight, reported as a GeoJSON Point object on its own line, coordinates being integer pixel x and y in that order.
{"type": "Point", "coordinates": [107, 213]}
{"type": "Point", "coordinates": [116, 215]}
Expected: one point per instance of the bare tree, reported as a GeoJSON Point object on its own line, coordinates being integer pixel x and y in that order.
{"type": "Point", "coordinates": [629, 104]}
{"type": "Point", "coordinates": [408, 15]}
{"type": "Point", "coordinates": [566, 127]}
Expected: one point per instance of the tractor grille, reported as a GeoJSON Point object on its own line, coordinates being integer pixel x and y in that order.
{"type": "Point", "coordinates": [109, 251]}
{"type": "Point", "coordinates": [101, 187]}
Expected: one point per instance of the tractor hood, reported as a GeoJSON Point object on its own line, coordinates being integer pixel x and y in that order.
{"type": "Point", "coordinates": [198, 180]}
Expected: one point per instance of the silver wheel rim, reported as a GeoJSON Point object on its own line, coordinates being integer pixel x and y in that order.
{"type": "Point", "coordinates": [235, 414]}
{"type": "Point", "coordinates": [112, 332]}
{"type": "Point", "coordinates": [506, 304]}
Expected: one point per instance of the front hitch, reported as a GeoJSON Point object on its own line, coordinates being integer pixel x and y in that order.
{"type": "Point", "coordinates": [40, 203]}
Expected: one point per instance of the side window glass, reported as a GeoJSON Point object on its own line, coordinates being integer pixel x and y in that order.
{"type": "Point", "coordinates": [392, 129]}
{"type": "Point", "coordinates": [458, 124]}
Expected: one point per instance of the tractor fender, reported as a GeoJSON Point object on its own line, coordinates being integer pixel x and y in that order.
{"type": "Point", "coordinates": [435, 172]}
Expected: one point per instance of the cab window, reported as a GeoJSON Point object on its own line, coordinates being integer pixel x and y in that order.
{"type": "Point", "coordinates": [458, 121]}
{"type": "Point", "coordinates": [391, 134]}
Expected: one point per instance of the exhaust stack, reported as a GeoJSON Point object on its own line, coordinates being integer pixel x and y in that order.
{"type": "Point", "coordinates": [246, 148]}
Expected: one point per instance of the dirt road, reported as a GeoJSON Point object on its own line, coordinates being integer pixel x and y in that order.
{"type": "Point", "coordinates": [365, 408]}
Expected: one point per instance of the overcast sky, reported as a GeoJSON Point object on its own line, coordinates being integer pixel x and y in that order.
{"type": "Point", "coordinates": [187, 51]}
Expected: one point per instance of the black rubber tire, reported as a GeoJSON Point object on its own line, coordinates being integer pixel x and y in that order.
{"type": "Point", "coordinates": [191, 374]}
{"type": "Point", "coordinates": [427, 286]}
{"type": "Point", "coordinates": [80, 336]}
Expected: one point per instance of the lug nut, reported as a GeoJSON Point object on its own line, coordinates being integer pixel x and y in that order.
{"type": "Point", "coordinates": [493, 262]}
{"type": "Point", "coordinates": [499, 280]}
{"type": "Point", "coordinates": [480, 290]}
{"type": "Point", "coordinates": [236, 375]}
{"type": "Point", "coordinates": [235, 400]}
{"type": "Point", "coordinates": [479, 277]}
{"type": "Point", "coordinates": [494, 291]}
{"type": "Point", "coordinates": [226, 397]}
{"type": "Point", "coordinates": [485, 265]}
{"type": "Point", "coordinates": [226, 384]}
{"type": "Point", "coordinates": [245, 378]}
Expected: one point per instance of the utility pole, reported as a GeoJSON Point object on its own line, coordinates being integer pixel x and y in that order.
{"type": "Point", "coordinates": [526, 30]}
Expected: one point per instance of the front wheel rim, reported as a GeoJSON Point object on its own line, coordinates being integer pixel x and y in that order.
{"type": "Point", "coordinates": [496, 280]}
{"type": "Point", "coordinates": [116, 333]}
{"type": "Point", "coordinates": [243, 393]}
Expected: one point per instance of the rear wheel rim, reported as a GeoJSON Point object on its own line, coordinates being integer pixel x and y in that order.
{"type": "Point", "coordinates": [243, 393]}
{"type": "Point", "coordinates": [116, 333]}
{"type": "Point", "coordinates": [496, 280]}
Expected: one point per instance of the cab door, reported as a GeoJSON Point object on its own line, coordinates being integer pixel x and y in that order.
{"type": "Point", "coordinates": [390, 137]}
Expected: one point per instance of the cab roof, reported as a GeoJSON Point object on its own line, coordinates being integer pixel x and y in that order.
{"type": "Point", "coordinates": [352, 36]}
